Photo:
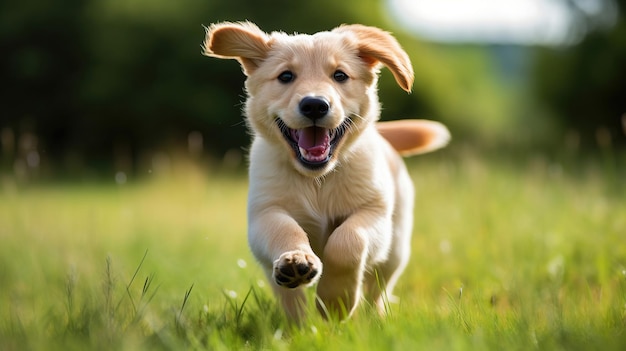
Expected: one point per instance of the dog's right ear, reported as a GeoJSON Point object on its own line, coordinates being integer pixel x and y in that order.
{"type": "Point", "coordinates": [243, 41]}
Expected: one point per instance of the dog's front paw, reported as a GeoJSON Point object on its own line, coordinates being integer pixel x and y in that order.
{"type": "Point", "coordinates": [295, 268]}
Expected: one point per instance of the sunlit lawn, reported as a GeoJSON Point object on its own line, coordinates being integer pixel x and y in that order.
{"type": "Point", "coordinates": [506, 255]}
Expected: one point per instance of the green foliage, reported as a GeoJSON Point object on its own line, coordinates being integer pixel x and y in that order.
{"type": "Point", "coordinates": [100, 86]}
{"type": "Point", "coordinates": [519, 255]}
{"type": "Point", "coordinates": [582, 87]}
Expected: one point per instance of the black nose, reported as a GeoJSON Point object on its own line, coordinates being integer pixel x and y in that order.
{"type": "Point", "coordinates": [314, 107]}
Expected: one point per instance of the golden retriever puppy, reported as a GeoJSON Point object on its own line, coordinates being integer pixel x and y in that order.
{"type": "Point", "coordinates": [330, 199]}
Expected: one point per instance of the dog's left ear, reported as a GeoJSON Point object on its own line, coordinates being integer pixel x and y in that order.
{"type": "Point", "coordinates": [377, 46]}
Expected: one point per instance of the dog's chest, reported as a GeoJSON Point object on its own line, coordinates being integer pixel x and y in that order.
{"type": "Point", "coordinates": [322, 211]}
{"type": "Point", "coordinates": [319, 229]}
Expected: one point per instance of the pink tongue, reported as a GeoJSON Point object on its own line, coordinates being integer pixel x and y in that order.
{"type": "Point", "coordinates": [314, 140]}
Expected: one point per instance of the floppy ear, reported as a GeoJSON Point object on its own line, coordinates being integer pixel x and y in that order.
{"type": "Point", "coordinates": [377, 46]}
{"type": "Point", "coordinates": [414, 136]}
{"type": "Point", "coordinates": [243, 41]}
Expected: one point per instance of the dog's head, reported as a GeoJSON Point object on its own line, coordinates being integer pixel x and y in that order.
{"type": "Point", "coordinates": [312, 94]}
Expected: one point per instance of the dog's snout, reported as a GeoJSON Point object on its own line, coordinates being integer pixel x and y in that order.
{"type": "Point", "coordinates": [314, 107]}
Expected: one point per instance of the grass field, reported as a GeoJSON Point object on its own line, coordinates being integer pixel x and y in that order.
{"type": "Point", "coordinates": [506, 256]}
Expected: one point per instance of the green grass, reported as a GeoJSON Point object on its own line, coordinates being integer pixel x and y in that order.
{"type": "Point", "coordinates": [505, 257]}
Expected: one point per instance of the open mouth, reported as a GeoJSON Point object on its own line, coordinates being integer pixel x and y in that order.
{"type": "Point", "coordinates": [314, 146]}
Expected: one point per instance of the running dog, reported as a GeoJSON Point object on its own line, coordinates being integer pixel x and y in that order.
{"type": "Point", "coordinates": [330, 200]}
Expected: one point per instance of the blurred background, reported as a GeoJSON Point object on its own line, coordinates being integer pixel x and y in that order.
{"type": "Point", "coordinates": [118, 89]}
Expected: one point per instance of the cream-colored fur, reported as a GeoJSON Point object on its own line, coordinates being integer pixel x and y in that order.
{"type": "Point", "coordinates": [330, 199]}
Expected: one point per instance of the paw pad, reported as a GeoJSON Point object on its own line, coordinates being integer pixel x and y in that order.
{"type": "Point", "coordinates": [293, 270]}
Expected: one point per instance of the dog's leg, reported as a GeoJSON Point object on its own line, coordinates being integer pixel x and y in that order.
{"type": "Point", "coordinates": [345, 256]}
{"type": "Point", "coordinates": [292, 301]}
{"type": "Point", "coordinates": [282, 246]}
{"type": "Point", "coordinates": [381, 280]}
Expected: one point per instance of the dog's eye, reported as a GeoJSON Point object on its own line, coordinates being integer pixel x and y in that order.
{"type": "Point", "coordinates": [286, 77]}
{"type": "Point", "coordinates": [340, 76]}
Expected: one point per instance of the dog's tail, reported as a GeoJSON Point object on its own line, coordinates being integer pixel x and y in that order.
{"type": "Point", "coordinates": [414, 136]}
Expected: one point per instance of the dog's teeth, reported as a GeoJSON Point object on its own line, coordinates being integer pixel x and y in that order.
{"type": "Point", "coordinates": [313, 157]}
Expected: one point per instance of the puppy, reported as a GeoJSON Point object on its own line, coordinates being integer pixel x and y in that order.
{"type": "Point", "coordinates": [330, 199]}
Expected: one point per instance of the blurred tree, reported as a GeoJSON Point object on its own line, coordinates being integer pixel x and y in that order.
{"type": "Point", "coordinates": [41, 65]}
{"type": "Point", "coordinates": [583, 87]}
